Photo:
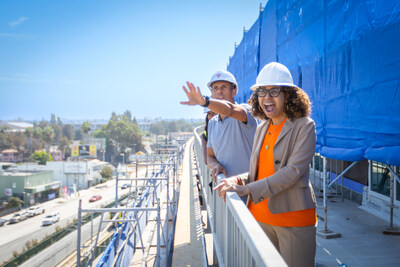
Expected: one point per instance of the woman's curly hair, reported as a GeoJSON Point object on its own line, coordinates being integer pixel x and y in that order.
{"type": "Point", "coordinates": [297, 104]}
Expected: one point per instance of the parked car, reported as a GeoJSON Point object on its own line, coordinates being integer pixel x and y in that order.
{"type": "Point", "coordinates": [17, 217]}
{"type": "Point", "coordinates": [31, 211]}
{"type": "Point", "coordinates": [125, 186]}
{"type": "Point", "coordinates": [2, 222]}
{"type": "Point", "coordinates": [95, 198]}
{"type": "Point", "coordinates": [50, 219]}
{"type": "Point", "coordinates": [35, 211]}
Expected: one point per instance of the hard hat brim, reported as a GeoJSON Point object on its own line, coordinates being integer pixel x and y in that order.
{"type": "Point", "coordinates": [210, 83]}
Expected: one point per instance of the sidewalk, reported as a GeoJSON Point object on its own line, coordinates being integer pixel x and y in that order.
{"type": "Point", "coordinates": [188, 247]}
{"type": "Point", "coordinates": [362, 242]}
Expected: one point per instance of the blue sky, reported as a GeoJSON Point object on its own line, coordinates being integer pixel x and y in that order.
{"type": "Point", "coordinates": [87, 59]}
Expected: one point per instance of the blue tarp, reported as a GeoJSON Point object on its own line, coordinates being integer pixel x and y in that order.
{"type": "Point", "coordinates": [346, 56]}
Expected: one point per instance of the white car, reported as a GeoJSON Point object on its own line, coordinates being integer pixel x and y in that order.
{"type": "Point", "coordinates": [17, 217]}
{"type": "Point", "coordinates": [50, 219]}
{"type": "Point", "coordinates": [35, 211]}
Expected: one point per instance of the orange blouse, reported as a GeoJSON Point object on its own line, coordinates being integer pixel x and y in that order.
{"type": "Point", "coordinates": [261, 211]}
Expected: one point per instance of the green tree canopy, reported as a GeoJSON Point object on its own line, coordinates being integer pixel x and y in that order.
{"type": "Point", "coordinates": [86, 127]}
{"type": "Point", "coordinates": [78, 134]}
{"type": "Point", "coordinates": [40, 157]}
{"type": "Point", "coordinates": [14, 202]}
{"type": "Point", "coordinates": [4, 142]}
{"type": "Point", "coordinates": [69, 131]}
{"type": "Point", "coordinates": [120, 133]}
{"type": "Point", "coordinates": [106, 172]}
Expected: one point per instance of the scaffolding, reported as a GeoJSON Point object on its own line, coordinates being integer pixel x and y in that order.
{"type": "Point", "coordinates": [143, 222]}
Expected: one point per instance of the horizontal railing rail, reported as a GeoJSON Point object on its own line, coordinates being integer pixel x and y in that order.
{"type": "Point", "coordinates": [238, 238]}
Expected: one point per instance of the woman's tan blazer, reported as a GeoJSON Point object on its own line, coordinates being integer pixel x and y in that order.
{"type": "Point", "coordinates": [289, 188]}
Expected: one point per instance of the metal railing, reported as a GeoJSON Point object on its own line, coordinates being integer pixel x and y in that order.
{"type": "Point", "coordinates": [238, 238]}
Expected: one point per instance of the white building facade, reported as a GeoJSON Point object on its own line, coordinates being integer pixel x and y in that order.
{"type": "Point", "coordinates": [75, 175]}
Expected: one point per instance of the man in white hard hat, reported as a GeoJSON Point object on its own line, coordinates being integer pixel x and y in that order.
{"type": "Point", "coordinates": [231, 132]}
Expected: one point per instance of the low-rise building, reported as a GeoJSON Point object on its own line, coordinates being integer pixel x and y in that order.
{"type": "Point", "coordinates": [10, 155]}
{"type": "Point", "coordinates": [30, 186]}
{"type": "Point", "coordinates": [75, 175]}
{"type": "Point", "coordinates": [56, 153]}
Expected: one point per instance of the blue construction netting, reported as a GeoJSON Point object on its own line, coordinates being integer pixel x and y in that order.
{"type": "Point", "coordinates": [346, 56]}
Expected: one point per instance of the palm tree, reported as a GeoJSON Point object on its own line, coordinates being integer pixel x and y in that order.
{"type": "Point", "coordinates": [86, 127]}
{"type": "Point", "coordinates": [64, 146]}
{"type": "Point", "coordinates": [37, 134]}
{"type": "Point", "coordinates": [29, 134]}
{"type": "Point", "coordinates": [48, 136]}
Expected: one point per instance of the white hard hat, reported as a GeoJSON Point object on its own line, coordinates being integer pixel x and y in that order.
{"type": "Point", "coordinates": [274, 73]}
{"type": "Point", "coordinates": [224, 76]}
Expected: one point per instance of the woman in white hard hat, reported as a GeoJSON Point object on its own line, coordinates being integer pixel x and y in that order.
{"type": "Point", "coordinates": [281, 196]}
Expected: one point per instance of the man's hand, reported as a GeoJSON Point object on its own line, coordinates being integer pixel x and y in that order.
{"type": "Point", "coordinates": [230, 185]}
{"type": "Point", "coordinates": [194, 95]}
{"type": "Point", "coordinates": [217, 169]}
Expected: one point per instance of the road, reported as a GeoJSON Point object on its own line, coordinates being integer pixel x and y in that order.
{"type": "Point", "coordinates": [15, 236]}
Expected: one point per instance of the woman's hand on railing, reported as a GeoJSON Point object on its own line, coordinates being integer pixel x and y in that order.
{"type": "Point", "coordinates": [231, 185]}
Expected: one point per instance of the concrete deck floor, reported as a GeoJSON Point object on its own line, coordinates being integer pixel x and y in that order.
{"type": "Point", "coordinates": [362, 242]}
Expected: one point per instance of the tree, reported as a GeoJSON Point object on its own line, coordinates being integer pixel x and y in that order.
{"type": "Point", "coordinates": [14, 202]}
{"type": "Point", "coordinates": [156, 129]}
{"type": "Point", "coordinates": [106, 172]}
{"type": "Point", "coordinates": [37, 134]}
{"type": "Point", "coordinates": [78, 134]}
{"type": "Point", "coordinates": [17, 141]}
{"type": "Point", "coordinates": [59, 122]}
{"type": "Point", "coordinates": [64, 146]}
{"type": "Point", "coordinates": [29, 134]}
{"type": "Point", "coordinates": [128, 114]}
{"type": "Point", "coordinates": [58, 131]}
{"type": "Point", "coordinates": [86, 127]}
{"type": "Point", "coordinates": [113, 116]}
{"type": "Point", "coordinates": [52, 119]}
{"type": "Point", "coordinates": [48, 137]}
{"type": "Point", "coordinates": [4, 141]}
{"type": "Point", "coordinates": [41, 157]}
{"type": "Point", "coordinates": [43, 124]}
{"type": "Point", "coordinates": [120, 133]}
{"type": "Point", "coordinates": [172, 127]}
{"type": "Point", "coordinates": [68, 131]}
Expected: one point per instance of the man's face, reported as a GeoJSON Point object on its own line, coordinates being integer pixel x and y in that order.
{"type": "Point", "coordinates": [223, 91]}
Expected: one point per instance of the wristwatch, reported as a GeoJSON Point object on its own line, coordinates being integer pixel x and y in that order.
{"type": "Point", "coordinates": [207, 99]}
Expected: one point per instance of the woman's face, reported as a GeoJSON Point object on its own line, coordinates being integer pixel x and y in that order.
{"type": "Point", "coordinates": [273, 106]}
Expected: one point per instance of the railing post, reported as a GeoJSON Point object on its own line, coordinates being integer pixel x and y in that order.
{"type": "Point", "coordinates": [392, 230]}
{"type": "Point", "coordinates": [78, 243]}
{"type": "Point", "coordinates": [326, 233]}
{"type": "Point", "coordinates": [325, 195]}
{"type": "Point", "coordinates": [158, 232]}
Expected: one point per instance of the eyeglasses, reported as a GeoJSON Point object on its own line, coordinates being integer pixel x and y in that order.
{"type": "Point", "coordinates": [273, 92]}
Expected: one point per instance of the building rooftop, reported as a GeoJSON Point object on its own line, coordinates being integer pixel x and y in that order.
{"type": "Point", "coordinates": [16, 125]}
